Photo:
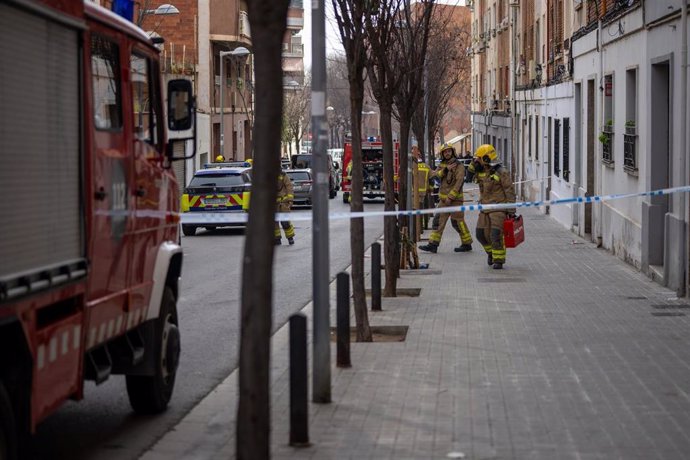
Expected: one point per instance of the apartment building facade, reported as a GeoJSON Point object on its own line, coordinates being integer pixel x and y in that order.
{"type": "Point", "coordinates": [632, 91]}
{"type": "Point", "coordinates": [194, 40]}
{"type": "Point", "coordinates": [491, 82]}
{"type": "Point", "coordinates": [600, 108]}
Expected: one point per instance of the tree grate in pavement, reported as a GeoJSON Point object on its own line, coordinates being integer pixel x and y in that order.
{"type": "Point", "coordinates": [501, 280]}
{"type": "Point", "coordinates": [380, 334]}
{"type": "Point", "coordinates": [681, 306]}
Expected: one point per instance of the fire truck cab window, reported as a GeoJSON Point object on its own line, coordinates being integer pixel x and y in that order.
{"type": "Point", "coordinates": [141, 101]}
{"type": "Point", "coordinates": [105, 71]}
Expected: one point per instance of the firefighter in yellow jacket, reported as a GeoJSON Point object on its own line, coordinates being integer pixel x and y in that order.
{"type": "Point", "coordinates": [452, 176]}
{"type": "Point", "coordinates": [285, 198]}
{"type": "Point", "coordinates": [495, 186]}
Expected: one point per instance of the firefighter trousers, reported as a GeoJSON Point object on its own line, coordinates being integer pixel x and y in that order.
{"type": "Point", "coordinates": [288, 228]}
{"type": "Point", "coordinates": [457, 221]}
{"type": "Point", "coordinates": [490, 234]}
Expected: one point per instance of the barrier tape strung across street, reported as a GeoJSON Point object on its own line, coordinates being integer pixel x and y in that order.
{"type": "Point", "coordinates": [216, 218]}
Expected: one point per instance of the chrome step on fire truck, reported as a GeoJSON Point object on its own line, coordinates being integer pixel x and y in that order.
{"type": "Point", "coordinates": [89, 241]}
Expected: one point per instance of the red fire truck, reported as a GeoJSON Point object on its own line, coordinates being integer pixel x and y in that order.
{"type": "Point", "coordinates": [372, 169]}
{"type": "Point", "coordinates": [89, 240]}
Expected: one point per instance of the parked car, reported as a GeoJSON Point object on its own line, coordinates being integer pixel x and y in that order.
{"type": "Point", "coordinates": [304, 161]}
{"type": "Point", "coordinates": [214, 190]}
{"type": "Point", "coordinates": [301, 185]}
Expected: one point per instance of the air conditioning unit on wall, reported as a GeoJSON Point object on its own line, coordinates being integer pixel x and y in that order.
{"type": "Point", "coordinates": [514, 3]}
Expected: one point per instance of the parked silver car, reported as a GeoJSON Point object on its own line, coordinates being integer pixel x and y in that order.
{"type": "Point", "coordinates": [301, 185]}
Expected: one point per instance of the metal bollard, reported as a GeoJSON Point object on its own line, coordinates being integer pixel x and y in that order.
{"type": "Point", "coordinates": [343, 320]}
{"type": "Point", "coordinates": [376, 277]}
{"type": "Point", "coordinates": [299, 415]}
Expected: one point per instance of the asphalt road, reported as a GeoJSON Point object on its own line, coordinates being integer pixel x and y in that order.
{"type": "Point", "coordinates": [103, 426]}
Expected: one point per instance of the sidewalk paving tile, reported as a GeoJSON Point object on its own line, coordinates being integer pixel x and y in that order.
{"type": "Point", "coordinates": [558, 356]}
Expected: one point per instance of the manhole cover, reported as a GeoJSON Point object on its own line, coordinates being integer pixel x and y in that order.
{"type": "Point", "coordinates": [379, 333]}
{"type": "Point", "coordinates": [681, 306]}
{"type": "Point", "coordinates": [501, 280]}
{"type": "Point", "coordinates": [667, 313]}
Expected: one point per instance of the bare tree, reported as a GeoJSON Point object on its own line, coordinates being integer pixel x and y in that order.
{"type": "Point", "coordinates": [411, 37]}
{"type": "Point", "coordinates": [350, 15]}
{"type": "Point", "coordinates": [268, 20]}
{"type": "Point", "coordinates": [338, 96]}
{"type": "Point", "coordinates": [448, 74]}
{"type": "Point", "coordinates": [381, 18]}
{"type": "Point", "coordinates": [296, 112]}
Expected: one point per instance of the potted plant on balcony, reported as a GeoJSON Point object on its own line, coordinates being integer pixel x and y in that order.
{"type": "Point", "coordinates": [603, 138]}
{"type": "Point", "coordinates": [608, 127]}
{"type": "Point", "coordinates": [630, 128]}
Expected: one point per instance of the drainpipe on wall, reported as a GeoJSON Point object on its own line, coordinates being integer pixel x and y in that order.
{"type": "Point", "coordinates": [683, 136]}
{"type": "Point", "coordinates": [514, 125]}
{"type": "Point", "coordinates": [598, 230]}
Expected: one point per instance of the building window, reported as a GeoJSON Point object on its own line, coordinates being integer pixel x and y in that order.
{"type": "Point", "coordinates": [630, 134]}
{"type": "Point", "coordinates": [529, 137]}
{"type": "Point", "coordinates": [566, 149]}
{"type": "Point", "coordinates": [537, 139]}
{"type": "Point", "coordinates": [557, 147]}
{"type": "Point", "coordinates": [606, 137]}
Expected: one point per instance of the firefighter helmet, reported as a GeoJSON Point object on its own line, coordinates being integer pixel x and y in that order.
{"type": "Point", "coordinates": [486, 153]}
{"type": "Point", "coordinates": [220, 159]}
{"type": "Point", "coordinates": [447, 146]}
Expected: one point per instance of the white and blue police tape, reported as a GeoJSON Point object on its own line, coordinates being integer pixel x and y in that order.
{"type": "Point", "coordinates": [217, 218]}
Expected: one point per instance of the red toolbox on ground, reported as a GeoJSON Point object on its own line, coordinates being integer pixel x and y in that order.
{"type": "Point", "coordinates": [513, 231]}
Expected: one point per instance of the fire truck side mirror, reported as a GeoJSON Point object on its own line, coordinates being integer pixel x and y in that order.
{"type": "Point", "coordinates": [180, 105]}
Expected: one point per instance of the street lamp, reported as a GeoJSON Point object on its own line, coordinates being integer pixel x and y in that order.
{"type": "Point", "coordinates": [237, 52]}
{"type": "Point", "coordinates": [165, 8]}
{"type": "Point", "coordinates": [329, 117]}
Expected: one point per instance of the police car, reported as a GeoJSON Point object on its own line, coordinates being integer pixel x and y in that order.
{"type": "Point", "coordinates": [214, 194]}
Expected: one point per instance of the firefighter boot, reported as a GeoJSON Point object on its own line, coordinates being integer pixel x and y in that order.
{"type": "Point", "coordinates": [490, 259]}
{"type": "Point", "coordinates": [431, 247]}
{"type": "Point", "coordinates": [277, 242]}
{"type": "Point", "coordinates": [291, 240]}
{"type": "Point", "coordinates": [463, 248]}
{"type": "Point", "coordinates": [498, 266]}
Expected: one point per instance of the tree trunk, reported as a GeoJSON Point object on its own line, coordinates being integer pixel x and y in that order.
{"type": "Point", "coordinates": [390, 223]}
{"type": "Point", "coordinates": [402, 172]}
{"type": "Point", "coordinates": [357, 225]}
{"type": "Point", "coordinates": [268, 22]}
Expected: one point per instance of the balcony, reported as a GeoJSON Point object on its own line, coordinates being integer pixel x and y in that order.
{"type": "Point", "coordinates": [606, 139]}
{"type": "Point", "coordinates": [630, 148]}
{"type": "Point", "coordinates": [295, 23]}
{"type": "Point", "coordinates": [293, 50]}
{"type": "Point", "coordinates": [227, 26]}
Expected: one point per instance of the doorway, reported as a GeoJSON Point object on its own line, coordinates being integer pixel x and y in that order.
{"type": "Point", "coordinates": [578, 150]}
{"type": "Point", "coordinates": [589, 189]}
{"type": "Point", "coordinates": [659, 161]}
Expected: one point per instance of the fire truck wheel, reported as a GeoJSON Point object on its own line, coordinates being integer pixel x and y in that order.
{"type": "Point", "coordinates": [151, 394]}
{"type": "Point", "coordinates": [189, 230]}
{"type": "Point", "coordinates": [346, 197]}
{"type": "Point", "coordinates": [8, 436]}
